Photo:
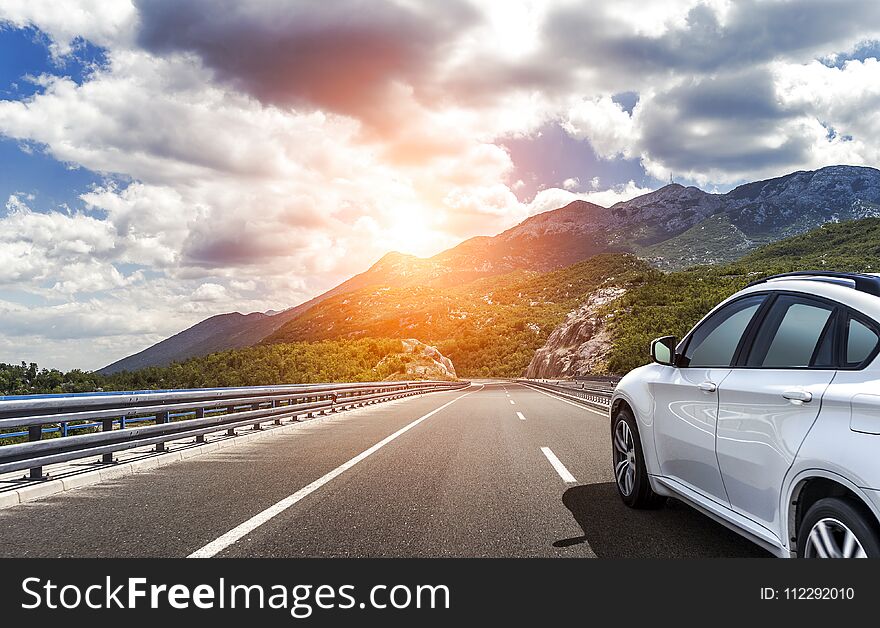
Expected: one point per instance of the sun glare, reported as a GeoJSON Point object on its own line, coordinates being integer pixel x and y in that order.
{"type": "Point", "coordinates": [412, 233]}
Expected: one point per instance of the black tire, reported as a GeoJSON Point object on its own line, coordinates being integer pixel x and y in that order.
{"type": "Point", "coordinates": [838, 517]}
{"type": "Point", "coordinates": [640, 494]}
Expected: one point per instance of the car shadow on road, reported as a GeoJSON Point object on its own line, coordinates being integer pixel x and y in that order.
{"type": "Point", "coordinates": [675, 531]}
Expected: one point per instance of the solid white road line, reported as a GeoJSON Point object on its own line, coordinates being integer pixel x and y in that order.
{"type": "Point", "coordinates": [236, 533]}
{"type": "Point", "coordinates": [564, 473]}
{"type": "Point", "coordinates": [520, 415]}
{"type": "Point", "coordinates": [571, 403]}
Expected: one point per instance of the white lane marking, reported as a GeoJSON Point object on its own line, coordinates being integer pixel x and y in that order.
{"type": "Point", "coordinates": [512, 402]}
{"type": "Point", "coordinates": [520, 415]}
{"type": "Point", "coordinates": [571, 403]}
{"type": "Point", "coordinates": [243, 529]}
{"type": "Point", "coordinates": [564, 473]}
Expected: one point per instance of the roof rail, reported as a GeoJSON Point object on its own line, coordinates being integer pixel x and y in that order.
{"type": "Point", "coordinates": [869, 284]}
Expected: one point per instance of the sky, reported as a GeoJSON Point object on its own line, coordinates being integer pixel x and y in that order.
{"type": "Point", "coordinates": [163, 161]}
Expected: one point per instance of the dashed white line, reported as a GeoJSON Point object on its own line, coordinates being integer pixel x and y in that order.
{"type": "Point", "coordinates": [243, 529]}
{"type": "Point", "coordinates": [520, 415]}
{"type": "Point", "coordinates": [564, 473]}
{"type": "Point", "coordinates": [512, 402]}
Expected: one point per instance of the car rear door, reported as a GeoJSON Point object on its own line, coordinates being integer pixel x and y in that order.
{"type": "Point", "coordinates": [770, 399]}
{"type": "Point", "coordinates": [686, 398]}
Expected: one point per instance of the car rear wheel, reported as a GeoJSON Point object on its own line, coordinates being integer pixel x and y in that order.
{"type": "Point", "coordinates": [630, 472]}
{"type": "Point", "coordinates": [837, 528]}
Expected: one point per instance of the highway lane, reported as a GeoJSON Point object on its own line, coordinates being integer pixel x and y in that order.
{"type": "Point", "coordinates": [471, 479]}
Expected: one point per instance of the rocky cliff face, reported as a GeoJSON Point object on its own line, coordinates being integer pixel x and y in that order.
{"type": "Point", "coordinates": [426, 362]}
{"type": "Point", "coordinates": [578, 346]}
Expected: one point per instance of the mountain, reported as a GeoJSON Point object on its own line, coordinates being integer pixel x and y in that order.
{"type": "Point", "coordinates": [672, 228]}
{"type": "Point", "coordinates": [676, 227]}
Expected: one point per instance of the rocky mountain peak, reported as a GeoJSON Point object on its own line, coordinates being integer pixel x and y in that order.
{"type": "Point", "coordinates": [576, 217]}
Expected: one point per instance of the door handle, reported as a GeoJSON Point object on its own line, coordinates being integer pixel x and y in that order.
{"type": "Point", "coordinates": [707, 386]}
{"type": "Point", "coordinates": [798, 395]}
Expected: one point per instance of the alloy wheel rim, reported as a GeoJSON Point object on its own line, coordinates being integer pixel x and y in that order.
{"type": "Point", "coordinates": [624, 458]}
{"type": "Point", "coordinates": [830, 538]}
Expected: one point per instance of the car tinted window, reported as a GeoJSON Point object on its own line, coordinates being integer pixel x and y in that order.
{"type": "Point", "coordinates": [793, 335]}
{"type": "Point", "coordinates": [860, 342]}
{"type": "Point", "coordinates": [714, 342]}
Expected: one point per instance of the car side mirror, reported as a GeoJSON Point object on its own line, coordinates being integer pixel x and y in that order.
{"type": "Point", "coordinates": [663, 350]}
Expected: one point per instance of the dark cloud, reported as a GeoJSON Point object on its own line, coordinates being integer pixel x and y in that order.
{"type": "Point", "coordinates": [753, 32]}
{"type": "Point", "coordinates": [235, 244]}
{"type": "Point", "coordinates": [339, 56]}
{"type": "Point", "coordinates": [746, 95]}
{"type": "Point", "coordinates": [722, 124]}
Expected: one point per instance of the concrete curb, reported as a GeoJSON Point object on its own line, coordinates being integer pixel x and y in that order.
{"type": "Point", "coordinates": [39, 490]}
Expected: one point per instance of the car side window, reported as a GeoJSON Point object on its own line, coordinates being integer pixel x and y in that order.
{"type": "Point", "coordinates": [861, 341]}
{"type": "Point", "coordinates": [796, 333]}
{"type": "Point", "coordinates": [714, 342]}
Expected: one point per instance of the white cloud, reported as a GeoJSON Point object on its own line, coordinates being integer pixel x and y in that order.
{"type": "Point", "coordinates": [104, 22]}
{"type": "Point", "coordinates": [603, 122]}
{"type": "Point", "coordinates": [209, 292]}
{"type": "Point", "coordinates": [616, 194]}
{"type": "Point", "coordinates": [840, 108]}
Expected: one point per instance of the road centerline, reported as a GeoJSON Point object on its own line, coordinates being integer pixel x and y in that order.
{"type": "Point", "coordinates": [246, 527]}
{"type": "Point", "coordinates": [564, 473]}
{"type": "Point", "coordinates": [520, 415]}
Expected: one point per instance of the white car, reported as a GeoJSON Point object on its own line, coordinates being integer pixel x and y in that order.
{"type": "Point", "coordinates": [765, 417]}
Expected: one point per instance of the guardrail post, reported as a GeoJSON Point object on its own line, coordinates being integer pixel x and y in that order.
{"type": "Point", "coordinates": [63, 426]}
{"type": "Point", "coordinates": [35, 433]}
{"type": "Point", "coordinates": [161, 419]}
{"type": "Point", "coordinates": [257, 425]}
{"type": "Point", "coordinates": [107, 426]}
{"type": "Point", "coordinates": [275, 403]}
{"type": "Point", "coordinates": [200, 414]}
{"type": "Point", "coordinates": [231, 430]}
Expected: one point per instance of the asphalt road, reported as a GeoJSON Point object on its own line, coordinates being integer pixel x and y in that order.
{"type": "Point", "coordinates": [471, 479]}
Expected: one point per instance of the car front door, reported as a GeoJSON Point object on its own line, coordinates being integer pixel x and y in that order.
{"type": "Point", "coordinates": [686, 398]}
{"type": "Point", "coordinates": [770, 399]}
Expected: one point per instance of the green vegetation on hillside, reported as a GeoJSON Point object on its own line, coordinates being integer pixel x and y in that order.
{"type": "Point", "coordinates": [672, 303]}
{"type": "Point", "coordinates": [488, 328]}
{"type": "Point", "coordinates": [366, 359]}
{"type": "Point", "coordinates": [716, 240]}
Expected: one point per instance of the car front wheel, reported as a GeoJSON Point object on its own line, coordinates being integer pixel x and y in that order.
{"type": "Point", "coordinates": [630, 472]}
{"type": "Point", "coordinates": [837, 528]}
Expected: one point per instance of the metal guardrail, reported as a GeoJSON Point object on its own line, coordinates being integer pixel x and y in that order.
{"type": "Point", "coordinates": [599, 380]}
{"type": "Point", "coordinates": [594, 396]}
{"type": "Point", "coordinates": [210, 410]}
